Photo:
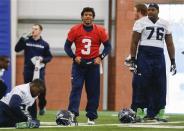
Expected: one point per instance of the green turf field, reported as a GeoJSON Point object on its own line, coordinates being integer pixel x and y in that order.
{"type": "Point", "coordinates": [107, 122]}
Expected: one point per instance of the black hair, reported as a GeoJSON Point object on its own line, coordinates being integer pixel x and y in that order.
{"type": "Point", "coordinates": [39, 84]}
{"type": "Point", "coordinates": [88, 9]}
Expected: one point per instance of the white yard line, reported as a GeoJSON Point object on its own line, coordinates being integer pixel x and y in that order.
{"type": "Point", "coordinates": [133, 125]}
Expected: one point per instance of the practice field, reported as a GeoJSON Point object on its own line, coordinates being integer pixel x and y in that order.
{"type": "Point", "coordinates": [107, 122]}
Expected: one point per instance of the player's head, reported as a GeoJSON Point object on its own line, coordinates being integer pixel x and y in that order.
{"type": "Point", "coordinates": [36, 30]}
{"type": "Point", "coordinates": [87, 16]}
{"type": "Point", "coordinates": [140, 10]}
{"type": "Point", "coordinates": [153, 10]}
{"type": "Point", "coordinates": [4, 62]}
{"type": "Point", "coordinates": [37, 86]}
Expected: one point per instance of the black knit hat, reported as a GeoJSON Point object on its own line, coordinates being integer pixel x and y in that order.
{"type": "Point", "coordinates": [154, 5]}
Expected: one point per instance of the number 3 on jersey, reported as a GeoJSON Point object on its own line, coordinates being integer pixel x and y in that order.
{"type": "Point", "coordinates": [87, 46]}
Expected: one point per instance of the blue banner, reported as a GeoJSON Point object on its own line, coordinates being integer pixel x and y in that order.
{"type": "Point", "coordinates": [5, 36]}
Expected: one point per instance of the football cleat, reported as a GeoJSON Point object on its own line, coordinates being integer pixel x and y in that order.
{"type": "Point", "coordinates": [91, 122]}
{"type": "Point", "coordinates": [140, 115]}
{"type": "Point", "coordinates": [161, 116]}
{"type": "Point", "coordinates": [42, 111]}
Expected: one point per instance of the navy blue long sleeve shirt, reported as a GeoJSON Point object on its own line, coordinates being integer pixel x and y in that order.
{"type": "Point", "coordinates": [33, 48]}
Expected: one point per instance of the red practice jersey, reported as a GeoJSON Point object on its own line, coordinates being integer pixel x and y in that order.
{"type": "Point", "coordinates": [87, 43]}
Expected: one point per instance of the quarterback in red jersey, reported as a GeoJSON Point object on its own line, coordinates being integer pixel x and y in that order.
{"type": "Point", "coordinates": [86, 60]}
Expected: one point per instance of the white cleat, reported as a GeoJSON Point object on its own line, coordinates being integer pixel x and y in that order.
{"type": "Point", "coordinates": [91, 122]}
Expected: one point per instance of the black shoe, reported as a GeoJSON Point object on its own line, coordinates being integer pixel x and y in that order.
{"type": "Point", "coordinates": [42, 112]}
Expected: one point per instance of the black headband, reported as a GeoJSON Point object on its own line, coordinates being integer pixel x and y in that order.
{"type": "Point", "coordinates": [154, 5]}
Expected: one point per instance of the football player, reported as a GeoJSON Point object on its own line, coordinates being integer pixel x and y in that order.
{"type": "Point", "coordinates": [140, 10]}
{"type": "Point", "coordinates": [87, 37]}
{"type": "Point", "coordinates": [4, 62]}
{"type": "Point", "coordinates": [151, 33]}
{"type": "Point", "coordinates": [14, 107]}
{"type": "Point", "coordinates": [34, 46]}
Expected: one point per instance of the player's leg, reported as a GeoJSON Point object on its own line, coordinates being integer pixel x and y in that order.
{"type": "Point", "coordinates": [140, 85]}
{"type": "Point", "coordinates": [92, 84]}
{"type": "Point", "coordinates": [42, 97]}
{"type": "Point", "coordinates": [77, 79]}
{"type": "Point", "coordinates": [160, 90]}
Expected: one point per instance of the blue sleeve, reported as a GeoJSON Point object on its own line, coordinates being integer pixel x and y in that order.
{"type": "Point", "coordinates": [106, 50]}
{"type": "Point", "coordinates": [68, 49]}
{"type": "Point", "coordinates": [14, 104]}
{"type": "Point", "coordinates": [47, 55]}
{"type": "Point", "coordinates": [21, 44]}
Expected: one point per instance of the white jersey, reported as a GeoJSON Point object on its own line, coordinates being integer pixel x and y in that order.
{"type": "Point", "coordinates": [24, 92]}
{"type": "Point", "coordinates": [152, 34]}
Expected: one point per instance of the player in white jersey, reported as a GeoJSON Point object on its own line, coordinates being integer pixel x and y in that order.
{"type": "Point", "coordinates": [4, 62]}
{"type": "Point", "coordinates": [14, 106]}
{"type": "Point", "coordinates": [140, 10]}
{"type": "Point", "coordinates": [152, 33]}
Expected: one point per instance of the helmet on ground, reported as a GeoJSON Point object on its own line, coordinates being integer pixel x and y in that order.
{"type": "Point", "coordinates": [64, 118]}
{"type": "Point", "coordinates": [126, 116]}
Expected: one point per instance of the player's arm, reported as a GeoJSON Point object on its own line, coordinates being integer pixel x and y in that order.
{"type": "Point", "coordinates": [47, 55]}
{"type": "Point", "coordinates": [21, 44]}
{"type": "Point", "coordinates": [15, 107]}
{"type": "Point", "coordinates": [106, 50]}
{"type": "Point", "coordinates": [170, 46]}
{"type": "Point", "coordinates": [134, 42]}
{"type": "Point", "coordinates": [171, 52]}
{"type": "Point", "coordinates": [68, 49]}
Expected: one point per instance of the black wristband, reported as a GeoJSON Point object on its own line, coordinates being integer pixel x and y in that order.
{"type": "Point", "coordinates": [173, 61]}
{"type": "Point", "coordinates": [133, 58]}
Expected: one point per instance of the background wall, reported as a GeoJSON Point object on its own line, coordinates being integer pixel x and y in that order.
{"type": "Point", "coordinates": [57, 16]}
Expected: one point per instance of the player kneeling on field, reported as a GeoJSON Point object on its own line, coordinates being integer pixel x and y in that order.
{"type": "Point", "coordinates": [14, 107]}
{"type": "Point", "coordinates": [126, 116]}
{"type": "Point", "coordinates": [65, 118]}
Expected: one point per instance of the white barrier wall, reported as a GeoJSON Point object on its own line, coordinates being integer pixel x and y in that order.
{"type": "Point", "coordinates": [57, 16]}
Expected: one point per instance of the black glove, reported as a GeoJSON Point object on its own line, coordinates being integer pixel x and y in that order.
{"type": "Point", "coordinates": [173, 67]}
{"type": "Point", "coordinates": [182, 52]}
{"type": "Point", "coordinates": [133, 65]}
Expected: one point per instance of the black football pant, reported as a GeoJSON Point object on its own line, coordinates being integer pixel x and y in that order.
{"type": "Point", "coordinates": [149, 84]}
{"type": "Point", "coordinates": [90, 75]}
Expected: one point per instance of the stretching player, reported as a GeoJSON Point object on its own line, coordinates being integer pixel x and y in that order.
{"type": "Point", "coordinates": [14, 106]}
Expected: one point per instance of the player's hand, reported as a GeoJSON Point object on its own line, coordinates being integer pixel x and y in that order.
{"type": "Point", "coordinates": [78, 59]}
{"type": "Point", "coordinates": [133, 65]}
{"type": "Point", "coordinates": [34, 123]}
{"type": "Point", "coordinates": [97, 60]}
{"type": "Point", "coordinates": [173, 67]}
{"type": "Point", "coordinates": [182, 52]}
{"type": "Point", "coordinates": [26, 36]}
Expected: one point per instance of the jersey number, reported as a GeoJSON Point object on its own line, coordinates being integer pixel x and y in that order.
{"type": "Point", "coordinates": [159, 32]}
{"type": "Point", "coordinates": [87, 47]}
